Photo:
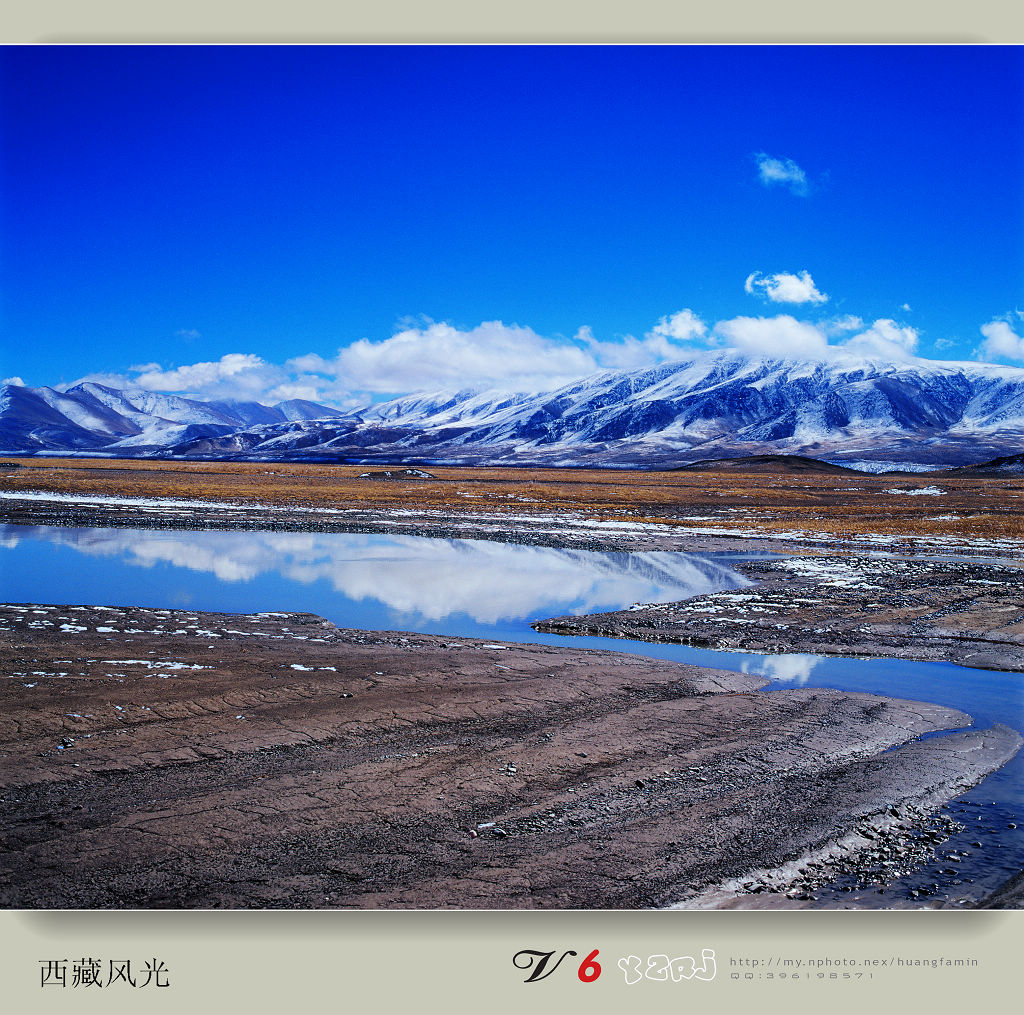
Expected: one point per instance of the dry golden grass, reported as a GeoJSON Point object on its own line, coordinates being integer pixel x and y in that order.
{"type": "Point", "coordinates": [842, 505]}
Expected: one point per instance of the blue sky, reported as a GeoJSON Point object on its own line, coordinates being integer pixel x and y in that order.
{"type": "Point", "coordinates": [350, 223]}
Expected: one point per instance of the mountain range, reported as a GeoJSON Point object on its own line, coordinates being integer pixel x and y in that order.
{"type": "Point", "coordinates": [857, 412]}
{"type": "Point", "coordinates": [94, 417]}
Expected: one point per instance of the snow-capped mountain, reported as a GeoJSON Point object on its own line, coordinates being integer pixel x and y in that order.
{"type": "Point", "coordinates": [712, 406]}
{"type": "Point", "coordinates": [717, 404]}
{"type": "Point", "coordinates": [94, 417]}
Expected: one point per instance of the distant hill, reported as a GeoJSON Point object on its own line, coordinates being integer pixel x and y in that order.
{"type": "Point", "coordinates": [1007, 465]}
{"type": "Point", "coordinates": [130, 422]}
{"type": "Point", "coordinates": [764, 463]}
{"type": "Point", "coordinates": [716, 405]}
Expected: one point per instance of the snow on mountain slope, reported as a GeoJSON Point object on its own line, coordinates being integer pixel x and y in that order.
{"type": "Point", "coordinates": [175, 409]}
{"type": "Point", "coordinates": [29, 422]}
{"type": "Point", "coordinates": [300, 408]}
{"type": "Point", "coordinates": [715, 404]}
{"type": "Point", "coordinates": [88, 413]}
{"type": "Point", "coordinates": [169, 434]}
{"type": "Point", "coordinates": [95, 416]}
{"type": "Point", "coordinates": [728, 395]}
{"type": "Point", "coordinates": [252, 413]}
{"type": "Point", "coordinates": [719, 403]}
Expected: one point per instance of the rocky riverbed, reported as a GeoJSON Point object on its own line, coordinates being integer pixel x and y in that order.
{"type": "Point", "coordinates": [957, 611]}
{"type": "Point", "coordinates": [167, 758]}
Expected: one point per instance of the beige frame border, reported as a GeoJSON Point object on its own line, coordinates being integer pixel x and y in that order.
{"type": "Point", "coordinates": [268, 962]}
{"type": "Point", "coordinates": [867, 21]}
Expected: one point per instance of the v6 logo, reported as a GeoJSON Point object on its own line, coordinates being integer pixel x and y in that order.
{"type": "Point", "coordinates": [537, 962]}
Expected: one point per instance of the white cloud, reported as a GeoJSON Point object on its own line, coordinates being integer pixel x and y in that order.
{"type": "Point", "coordinates": [629, 353]}
{"type": "Point", "coordinates": [242, 376]}
{"type": "Point", "coordinates": [427, 356]}
{"type": "Point", "coordinates": [309, 390]}
{"type": "Point", "coordinates": [785, 287]}
{"type": "Point", "coordinates": [204, 376]}
{"type": "Point", "coordinates": [1001, 341]}
{"type": "Point", "coordinates": [906, 307]}
{"type": "Point", "coordinates": [437, 355]}
{"type": "Point", "coordinates": [111, 380]}
{"type": "Point", "coordinates": [944, 343]}
{"type": "Point", "coordinates": [310, 363]}
{"type": "Point", "coordinates": [432, 356]}
{"type": "Point", "coordinates": [842, 325]}
{"type": "Point", "coordinates": [13, 380]}
{"type": "Point", "coordinates": [782, 172]}
{"type": "Point", "coordinates": [683, 325]}
{"type": "Point", "coordinates": [672, 338]}
{"type": "Point", "coordinates": [442, 356]}
{"type": "Point", "coordinates": [884, 339]}
{"type": "Point", "coordinates": [774, 336]}
{"type": "Point", "coordinates": [784, 335]}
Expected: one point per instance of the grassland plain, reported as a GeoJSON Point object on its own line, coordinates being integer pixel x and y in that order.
{"type": "Point", "coordinates": [836, 506]}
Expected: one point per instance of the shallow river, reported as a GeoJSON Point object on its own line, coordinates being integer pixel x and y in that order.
{"type": "Point", "coordinates": [495, 590]}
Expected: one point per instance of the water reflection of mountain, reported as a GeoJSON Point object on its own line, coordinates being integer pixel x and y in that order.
{"type": "Point", "coordinates": [434, 578]}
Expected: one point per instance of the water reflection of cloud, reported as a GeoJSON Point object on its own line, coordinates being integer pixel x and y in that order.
{"type": "Point", "coordinates": [434, 578]}
{"type": "Point", "coordinates": [787, 669]}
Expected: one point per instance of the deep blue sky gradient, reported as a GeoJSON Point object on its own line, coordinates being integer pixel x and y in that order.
{"type": "Point", "coordinates": [286, 200]}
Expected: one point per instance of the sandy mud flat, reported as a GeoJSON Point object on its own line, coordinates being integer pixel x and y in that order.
{"type": "Point", "coordinates": [956, 611]}
{"type": "Point", "coordinates": [165, 758]}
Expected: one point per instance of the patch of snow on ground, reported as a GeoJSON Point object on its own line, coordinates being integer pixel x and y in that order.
{"type": "Point", "coordinates": [834, 573]}
{"type": "Point", "coordinates": [150, 664]}
{"type": "Point", "coordinates": [157, 503]}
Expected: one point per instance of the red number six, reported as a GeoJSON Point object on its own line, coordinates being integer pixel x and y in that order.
{"type": "Point", "coordinates": [589, 969]}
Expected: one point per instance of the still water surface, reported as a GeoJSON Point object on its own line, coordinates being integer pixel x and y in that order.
{"type": "Point", "coordinates": [484, 589]}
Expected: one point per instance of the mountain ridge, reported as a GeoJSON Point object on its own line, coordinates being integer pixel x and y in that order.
{"type": "Point", "coordinates": [714, 405]}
